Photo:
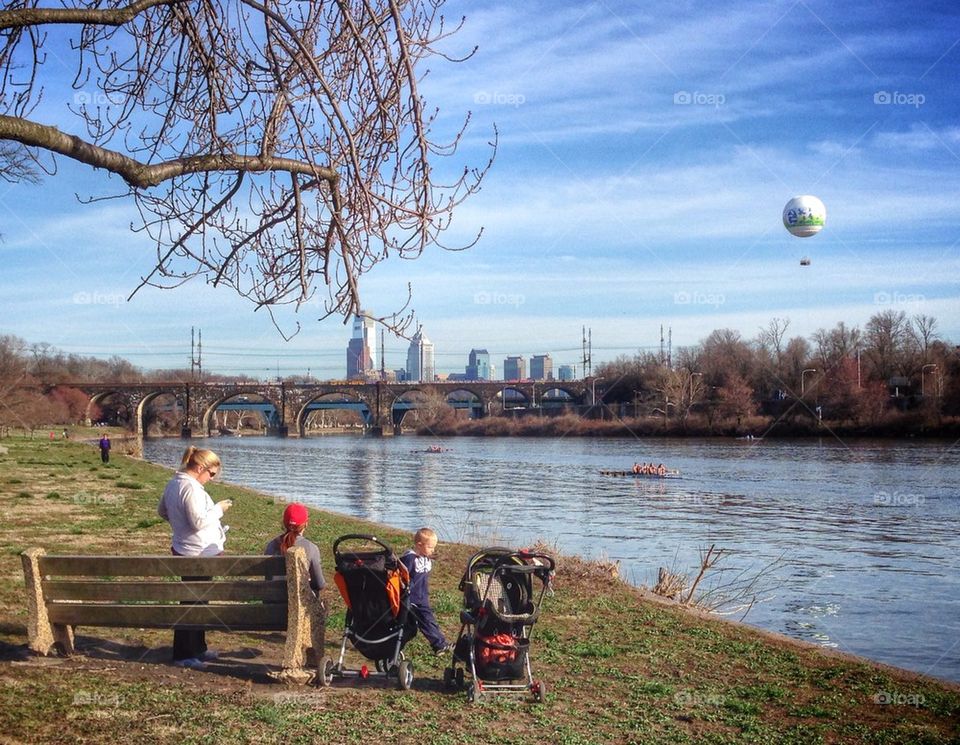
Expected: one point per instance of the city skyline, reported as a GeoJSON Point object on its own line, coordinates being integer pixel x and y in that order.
{"type": "Point", "coordinates": [642, 167]}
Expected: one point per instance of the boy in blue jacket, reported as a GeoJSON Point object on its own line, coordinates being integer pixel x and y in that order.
{"type": "Point", "coordinates": [419, 564]}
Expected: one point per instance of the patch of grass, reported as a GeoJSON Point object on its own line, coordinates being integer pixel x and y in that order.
{"type": "Point", "coordinates": [591, 648]}
{"type": "Point", "coordinates": [132, 485]}
{"type": "Point", "coordinates": [54, 495]}
{"type": "Point", "coordinates": [149, 523]}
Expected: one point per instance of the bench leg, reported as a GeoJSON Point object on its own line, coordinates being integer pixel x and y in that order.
{"type": "Point", "coordinates": [306, 620]}
{"type": "Point", "coordinates": [63, 639]}
{"type": "Point", "coordinates": [40, 635]}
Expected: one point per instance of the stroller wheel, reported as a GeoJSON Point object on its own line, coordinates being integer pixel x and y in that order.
{"type": "Point", "coordinates": [539, 689]}
{"type": "Point", "coordinates": [473, 693]}
{"type": "Point", "coordinates": [448, 678]}
{"type": "Point", "coordinates": [459, 678]}
{"type": "Point", "coordinates": [326, 671]}
{"type": "Point", "coordinates": [405, 674]}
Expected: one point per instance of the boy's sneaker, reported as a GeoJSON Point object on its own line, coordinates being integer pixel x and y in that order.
{"type": "Point", "coordinates": [192, 663]}
{"type": "Point", "coordinates": [444, 650]}
{"type": "Point", "coordinates": [210, 655]}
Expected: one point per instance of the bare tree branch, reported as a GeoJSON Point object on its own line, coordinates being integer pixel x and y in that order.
{"type": "Point", "coordinates": [275, 146]}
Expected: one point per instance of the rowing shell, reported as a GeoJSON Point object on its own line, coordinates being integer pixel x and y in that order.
{"type": "Point", "coordinates": [631, 474]}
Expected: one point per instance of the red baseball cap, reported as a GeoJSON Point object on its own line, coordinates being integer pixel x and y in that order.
{"type": "Point", "coordinates": [295, 515]}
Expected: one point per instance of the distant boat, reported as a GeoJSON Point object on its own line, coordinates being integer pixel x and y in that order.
{"type": "Point", "coordinates": [671, 474]}
{"type": "Point", "coordinates": [433, 450]}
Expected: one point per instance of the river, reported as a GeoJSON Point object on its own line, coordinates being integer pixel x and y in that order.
{"type": "Point", "coordinates": [863, 537]}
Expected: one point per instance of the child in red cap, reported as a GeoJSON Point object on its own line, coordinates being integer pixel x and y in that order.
{"type": "Point", "coordinates": [295, 518]}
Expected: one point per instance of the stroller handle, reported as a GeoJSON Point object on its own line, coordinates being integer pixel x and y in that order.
{"type": "Point", "coordinates": [360, 537]}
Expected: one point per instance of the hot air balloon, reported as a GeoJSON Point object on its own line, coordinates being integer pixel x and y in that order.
{"type": "Point", "coordinates": [804, 216]}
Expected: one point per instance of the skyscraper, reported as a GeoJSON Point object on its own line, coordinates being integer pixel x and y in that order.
{"type": "Point", "coordinates": [566, 372]}
{"type": "Point", "coordinates": [514, 368]}
{"type": "Point", "coordinates": [420, 358]}
{"type": "Point", "coordinates": [541, 367]}
{"type": "Point", "coordinates": [478, 365]}
{"type": "Point", "coordinates": [361, 351]}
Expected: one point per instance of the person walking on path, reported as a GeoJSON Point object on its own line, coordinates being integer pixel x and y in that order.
{"type": "Point", "coordinates": [105, 449]}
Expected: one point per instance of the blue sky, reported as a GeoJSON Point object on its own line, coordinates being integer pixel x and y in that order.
{"type": "Point", "coordinates": [646, 153]}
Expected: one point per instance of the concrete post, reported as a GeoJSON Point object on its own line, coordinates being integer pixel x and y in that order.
{"type": "Point", "coordinates": [42, 636]}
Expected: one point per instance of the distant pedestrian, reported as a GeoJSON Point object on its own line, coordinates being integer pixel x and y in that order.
{"type": "Point", "coordinates": [105, 449]}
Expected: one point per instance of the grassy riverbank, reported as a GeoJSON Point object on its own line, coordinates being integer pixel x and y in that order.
{"type": "Point", "coordinates": [619, 667]}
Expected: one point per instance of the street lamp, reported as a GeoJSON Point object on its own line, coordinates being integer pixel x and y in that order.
{"type": "Point", "coordinates": [922, 371]}
{"type": "Point", "coordinates": [802, 387]}
{"type": "Point", "coordinates": [593, 390]}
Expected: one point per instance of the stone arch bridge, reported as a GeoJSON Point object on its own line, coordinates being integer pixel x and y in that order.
{"type": "Point", "coordinates": [286, 406]}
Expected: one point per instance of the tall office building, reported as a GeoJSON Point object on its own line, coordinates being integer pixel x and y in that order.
{"type": "Point", "coordinates": [478, 365]}
{"type": "Point", "coordinates": [420, 358]}
{"type": "Point", "coordinates": [541, 367]}
{"type": "Point", "coordinates": [565, 372]}
{"type": "Point", "coordinates": [514, 368]}
{"type": "Point", "coordinates": [361, 351]}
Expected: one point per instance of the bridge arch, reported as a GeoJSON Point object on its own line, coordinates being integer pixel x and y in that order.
{"type": "Point", "coordinates": [114, 406]}
{"type": "Point", "coordinates": [470, 400]}
{"type": "Point", "coordinates": [336, 400]}
{"type": "Point", "coordinates": [143, 421]}
{"type": "Point", "coordinates": [268, 409]}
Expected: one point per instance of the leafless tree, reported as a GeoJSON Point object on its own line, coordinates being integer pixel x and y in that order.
{"type": "Point", "coordinates": [886, 338]}
{"type": "Point", "coordinates": [273, 146]}
{"type": "Point", "coordinates": [923, 333]}
{"type": "Point", "coordinates": [16, 163]}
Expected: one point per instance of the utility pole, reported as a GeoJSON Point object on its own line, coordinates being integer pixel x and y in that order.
{"type": "Point", "coordinates": [586, 349]}
{"type": "Point", "coordinates": [383, 364]}
{"type": "Point", "coordinates": [196, 355]}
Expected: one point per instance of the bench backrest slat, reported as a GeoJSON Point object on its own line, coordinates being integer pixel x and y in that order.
{"type": "Point", "coordinates": [162, 566]}
{"type": "Point", "coordinates": [274, 591]}
{"type": "Point", "coordinates": [240, 617]}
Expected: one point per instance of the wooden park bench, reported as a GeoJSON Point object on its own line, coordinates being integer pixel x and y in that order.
{"type": "Point", "coordinates": [245, 593]}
